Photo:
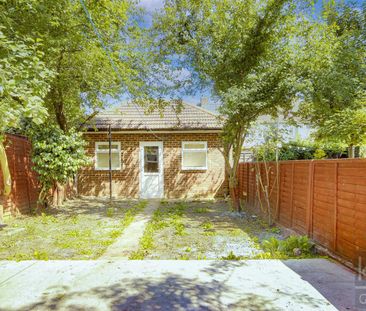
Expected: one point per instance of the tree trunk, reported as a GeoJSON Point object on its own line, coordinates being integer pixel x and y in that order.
{"type": "Point", "coordinates": [235, 202]}
{"type": "Point", "coordinates": [60, 115]}
{"type": "Point", "coordinates": [351, 151]}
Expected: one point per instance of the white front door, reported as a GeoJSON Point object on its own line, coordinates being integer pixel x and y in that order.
{"type": "Point", "coordinates": [151, 170]}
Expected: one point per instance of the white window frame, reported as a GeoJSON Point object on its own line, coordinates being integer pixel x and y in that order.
{"type": "Point", "coordinates": [189, 168]}
{"type": "Point", "coordinates": [106, 151]}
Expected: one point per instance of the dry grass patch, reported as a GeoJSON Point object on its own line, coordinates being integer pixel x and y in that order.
{"type": "Point", "coordinates": [81, 229]}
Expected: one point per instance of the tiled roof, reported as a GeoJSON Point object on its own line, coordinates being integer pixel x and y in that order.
{"type": "Point", "coordinates": [129, 117]}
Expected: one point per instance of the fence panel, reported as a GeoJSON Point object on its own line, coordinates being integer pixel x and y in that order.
{"type": "Point", "coordinates": [325, 199]}
{"type": "Point", "coordinates": [24, 192]}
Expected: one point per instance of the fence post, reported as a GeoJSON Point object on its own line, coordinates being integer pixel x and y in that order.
{"type": "Point", "coordinates": [292, 193]}
{"type": "Point", "coordinates": [310, 199]}
{"type": "Point", "coordinates": [335, 206]}
{"type": "Point", "coordinates": [278, 203]}
{"type": "Point", "coordinates": [27, 168]}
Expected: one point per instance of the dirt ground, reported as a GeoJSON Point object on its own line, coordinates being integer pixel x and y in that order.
{"type": "Point", "coordinates": [206, 230]}
{"type": "Point", "coordinates": [81, 229]}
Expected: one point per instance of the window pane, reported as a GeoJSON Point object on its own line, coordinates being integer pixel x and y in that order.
{"type": "Point", "coordinates": [194, 159]}
{"type": "Point", "coordinates": [151, 159]}
{"type": "Point", "coordinates": [103, 160]}
{"type": "Point", "coordinates": [106, 146]}
{"type": "Point", "coordinates": [194, 146]}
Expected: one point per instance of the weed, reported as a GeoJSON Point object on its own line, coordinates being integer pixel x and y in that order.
{"type": "Point", "coordinates": [207, 225]}
{"type": "Point", "coordinates": [275, 230]}
{"type": "Point", "coordinates": [293, 242]}
{"type": "Point", "coordinates": [286, 248]}
{"type": "Point", "coordinates": [201, 210]}
{"type": "Point", "coordinates": [115, 233]}
{"type": "Point", "coordinates": [180, 229]}
{"type": "Point", "coordinates": [30, 229]}
{"type": "Point", "coordinates": [74, 219]}
{"type": "Point", "coordinates": [47, 219]}
{"type": "Point", "coordinates": [236, 232]}
{"type": "Point", "coordinates": [110, 212]}
{"type": "Point", "coordinates": [231, 256]}
{"type": "Point", "coordinates": [40, 255]}
{"type": "Point", "coordinates": [209, 233]}
{"type": "Point", "coordinates": [137, 255]}
{"type": "Point", "coordinates": [271, 245]}
{"type": "Point", "coordinates": [87, 252]}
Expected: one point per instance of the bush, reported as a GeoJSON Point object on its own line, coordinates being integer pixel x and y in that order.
{"type": "Point", "coordinates": [290, 247]}
{"type": "Point", "coordinates": [57, 156]}
{"type": "Point", "coordinates": [300, 150]}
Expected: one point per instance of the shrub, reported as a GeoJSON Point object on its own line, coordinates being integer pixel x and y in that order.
{"type": "Point", "coordinates": [278, 248]}
{"type": "Point", "coordinates": [57, 156]}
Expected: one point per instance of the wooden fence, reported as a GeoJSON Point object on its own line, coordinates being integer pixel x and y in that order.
{"type": "Point", "coordinates": [324, 199]}
{"type": "Point", "coordinates": [24, 192]}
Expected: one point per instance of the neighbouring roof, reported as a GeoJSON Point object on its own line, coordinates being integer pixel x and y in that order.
{"type": "Point", "coordinates": [129, 117]}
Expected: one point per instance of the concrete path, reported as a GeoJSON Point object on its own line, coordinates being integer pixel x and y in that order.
{"type": "Point", "coordinates": [128, 242]}
{"type": "Point", "coordinates": [175, 285]}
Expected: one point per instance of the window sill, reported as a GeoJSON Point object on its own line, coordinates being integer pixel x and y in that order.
{"type": "Point", "coordinates": [107, 169]}
{"type": "Point", "coordinates": [194, 168]}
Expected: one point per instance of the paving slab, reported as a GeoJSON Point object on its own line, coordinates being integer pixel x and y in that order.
{"type": "Point", "coordinates": [166, 285]}
{"type": "Point", "coordinates": [128, 242]}
{"type": "Point", "coordinates": [331, 279]}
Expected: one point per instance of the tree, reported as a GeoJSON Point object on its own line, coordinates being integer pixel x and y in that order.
{"type": "Point", "coordinates": [347, 126]}
{"type": "Point", "coordinates": [335, 71]}
{"type": "Point", "coordinates": [245, 49]}
{"type": "Point", "coordinates": [72, 50]}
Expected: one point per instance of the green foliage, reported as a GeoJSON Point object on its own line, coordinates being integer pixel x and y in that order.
{"type": "Point", "coordinates": [319, 154]}
{"type": "Point", "coordinates": [231, 256]}
{"type": "Point", "coordinates": [285, 248]}
{"type": "Point", "coordinates": [23, 77]}
{"type": "Point", "coordinates": [207, 225]}
{"type": "Point", "coordinates": [39, 255]}
{"type": "Point", "coordinates": [55, 56]}
{"type": "Point", "coordinates": [347, 126]}
{"type": "Point", "coordinates": [299, 149]}
{"type": "Point", "coordinates": [335, 72]}
{"type": "Point", "coordinates": [56, 156]}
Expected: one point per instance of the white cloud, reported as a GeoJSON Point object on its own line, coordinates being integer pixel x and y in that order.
{"type": "Point", "coordinates": [151, 5]}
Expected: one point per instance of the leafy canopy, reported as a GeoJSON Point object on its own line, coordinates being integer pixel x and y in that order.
{"type": "Point", "coordinates": [83, 74]}
{"type": "Point", "coordinates": [334, 69]}
{"type": "Point", "coordinates": [23, 78]}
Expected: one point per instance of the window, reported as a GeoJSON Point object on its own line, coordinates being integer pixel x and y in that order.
{"type": "Point", "coordinates": [151, 159]}
{"type": "Point", "coordinates": [102, 156]}
{"type": "Point", "coordinates": [194, 155]}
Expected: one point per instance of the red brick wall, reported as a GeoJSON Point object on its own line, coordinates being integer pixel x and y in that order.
{"type": "Point", "coordinates": [324, 199]}
{"type": "Point", "coordinates": [177, 183]}
{"type": "Point", "coordinates": [24, 192]}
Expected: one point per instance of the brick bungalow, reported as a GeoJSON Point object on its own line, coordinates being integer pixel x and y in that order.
{"type": "Point", "coordinates": [157, 155]}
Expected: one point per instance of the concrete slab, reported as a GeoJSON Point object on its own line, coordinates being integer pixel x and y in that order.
{"type": "Point", "coordinates": [128, 242]}
{"type": "Point", "coordinates": [331, 279]}
{"type": "Point", "coordinates": [160, 285]}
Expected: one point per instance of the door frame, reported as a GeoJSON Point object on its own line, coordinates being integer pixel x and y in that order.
{"type": "Point", "coordinates": [161, 164]}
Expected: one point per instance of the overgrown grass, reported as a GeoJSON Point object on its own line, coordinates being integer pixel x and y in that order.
{"type": "Point", "coordinates": [82, 229]}
{"type": "Point", "coordinates": [164, 216]}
